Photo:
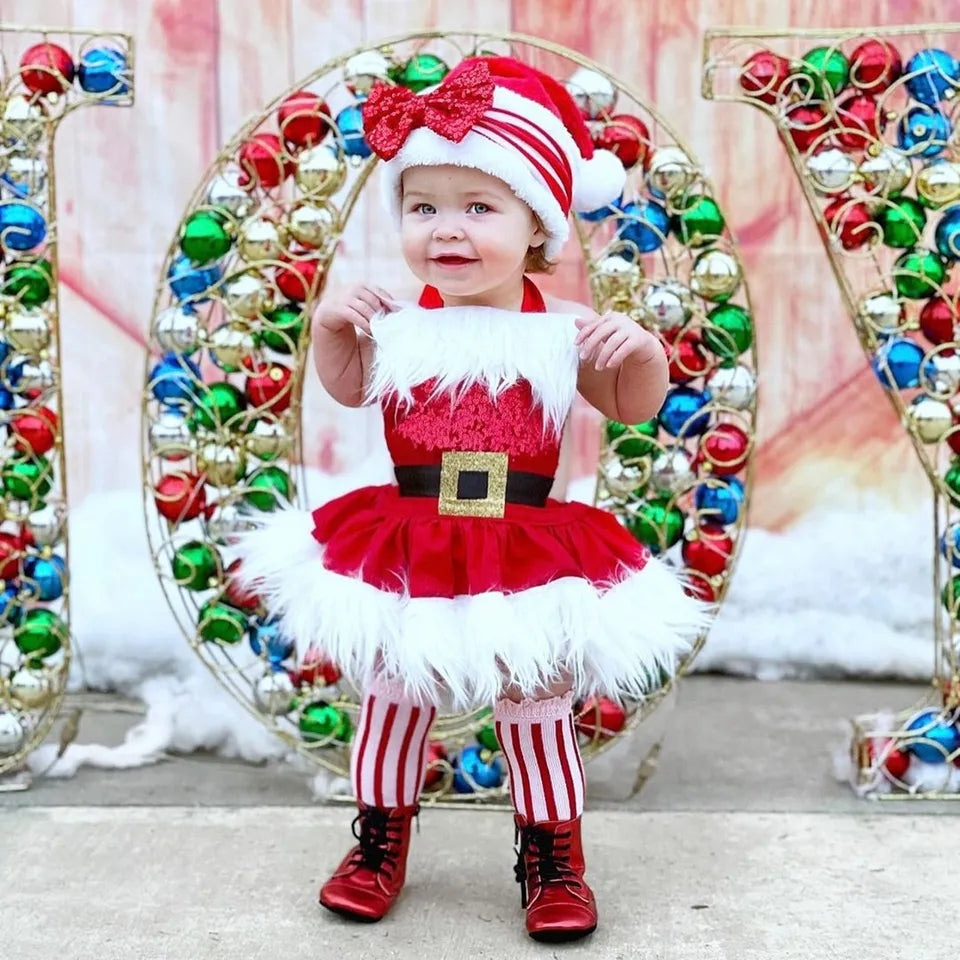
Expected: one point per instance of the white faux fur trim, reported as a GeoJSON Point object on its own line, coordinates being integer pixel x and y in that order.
{"type": "Point", "coordinates": [460, 346]}
{"type": "Point", "coordinates": [613, 641]}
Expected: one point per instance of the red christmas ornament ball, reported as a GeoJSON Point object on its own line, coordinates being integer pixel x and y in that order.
{"type": "Point", "coordinates": [687, 358]}
{"type": "Point", "coordinates": [709, 551]}
{"type": "Point", "coordinates": [600, 718]}
{"type": "Point", "coordinates": [34, 430]}
{"type": "Point", "coordinates": [763, 75]}
{"type": "Point", "coordinates": [859, 122]}
{"type": "Point", "coordinates": [626, 136]}
{"type": "Point", "coordinates": [807, 124]}
{"type": "Point", "coordinates": [180, 496]}
{"type": "Point", "coordinates": [436, 754]}
{"type": "Point", "coordinates": [316, 667]}
{"type": "Point", "coordinates": [11, 556]}
{"type": "Point", "coordinates": [237, 595]}
{"type": "Point", "coordinates": [297, 279]}
{"type": "Point", "coordinates": [725, 448]}
{"type": "Point", "coordinates": [303, 119]}
{"type": "Point", "coordinates": [263, 162]}
{"type": "Point", "coordinates": [849, 222]}
{"type": "Point", "coordinates": [938, 318]}
{"type": "Point", "coordinates": [874, 65]}
{"type": "Point", "coordinates": [897, 763]}
{"type": "Point", "coordinates": [269, 387]}
{"type": "Point", "coordinates": [698, 586]}
{"type": "Point", "coordinates": [46, 68]}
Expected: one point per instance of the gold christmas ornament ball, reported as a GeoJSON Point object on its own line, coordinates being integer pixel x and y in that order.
{"type": "Point", "coordinates": [22, 123]}
{"type": "Point", "coordinates": [672, 472]}
{"type": "Point", "coordinates": [28, 329]}
{"type": "Point", "coordinates": [12, 733]}
{"type": "Point", "coordinates": [268, 440]}
{"type": "Point", "coordinates": [177, 330]}
{"type": "Point", "coordinates": [46, 525]}
{"type": "Point", "coordinates": [363, 70]}
{"type": "Point", "coordinates": [929, 419]}
{"type": "Point", "coordinates": [247, 295]}
{"type": "Point", "coordinates": [882, 313]}
{"type": "Point", "coordinates": [938, 183]}
{"type": "Point", "coordinates": [35, 375]}
{"type": "Point", "coordinates": [623, 479]}
{"type": "Point", "coordinates": [225, 193]}
{"type": "Point", "coordinates": [733, 387]}
{"type": "Point", "coordinates": [231, 344]}
{"type": "Point", "coordinates": [715, 276]}
{"type": "Point", "coordinates": [274, 693]}
{"type": "Point", "coordinates": [592, 92]}
{"type": "Point", "coordinates": [259, 240]}
{"type": "Point", "coordinates": [831, 171]}
{"type": "Point", "coordinates": [32, 689]}
{"type": "Point", "coordinates": [617, 279]}
{"type": "Point", "coordinates": [945, 377]}
{"type": "Point", "coordinates": [671, 172]}
{"type": "Point", "coordinates": [222, 464]}
{"type": "Point", "coordinates": [227, 522]}
{"type": "Point", "coordinates": [887, 172]}
{"type": "Point", "coordinates": [170, 436]}
{"type": "Point", "coordinates": [321, 171]}
{"type": "Point", "coordinates": [313, 224]}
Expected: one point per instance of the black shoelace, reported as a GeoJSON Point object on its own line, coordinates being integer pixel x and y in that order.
{"type": "Point", "coordinates": [549, 859]}
{"type": "Point", "coordinates": [379, 836]}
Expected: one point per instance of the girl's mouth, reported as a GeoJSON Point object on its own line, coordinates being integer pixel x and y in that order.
{"type": "Point", "coordinates": [453, 261]}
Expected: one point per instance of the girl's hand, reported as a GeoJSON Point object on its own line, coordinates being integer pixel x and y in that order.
{"type": "Point", "coordinates": [608, 340]}
{"type": "Point", "coordinates": [356, 307]}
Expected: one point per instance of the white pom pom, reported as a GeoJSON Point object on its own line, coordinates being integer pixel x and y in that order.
{"type": "Point", "coordinates": [599, 181]}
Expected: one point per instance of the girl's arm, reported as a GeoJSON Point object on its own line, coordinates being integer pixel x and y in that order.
{"type": "Point", "coordinates": [632, 389]}
{"type": "Point", "coordinates": [342, 359]}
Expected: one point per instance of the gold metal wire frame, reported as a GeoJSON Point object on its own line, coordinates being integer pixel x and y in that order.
{"type": "Point", "coordinates": [724, 53]}
{"type": "Point", "coordinates": [236, 677]}
{"type": "Point", "coordinates": [30, 134]}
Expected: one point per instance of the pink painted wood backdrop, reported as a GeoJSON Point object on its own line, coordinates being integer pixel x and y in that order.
{"type": "Point", "coordinates": [205, 66]}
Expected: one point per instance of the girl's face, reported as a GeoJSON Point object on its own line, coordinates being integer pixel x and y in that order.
{"type": "Point", "coordinates": [466, 233]}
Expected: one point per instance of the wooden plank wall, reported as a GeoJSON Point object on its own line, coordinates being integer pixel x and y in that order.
{"type": "Point", "coordinates": [204, 66]}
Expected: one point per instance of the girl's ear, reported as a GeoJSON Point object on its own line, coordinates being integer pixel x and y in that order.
{"type": "Point", "coordinates": [539, 236]}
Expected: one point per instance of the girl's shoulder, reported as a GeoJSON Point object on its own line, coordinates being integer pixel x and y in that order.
{"type": "Point", "coordinates": [557, 305]}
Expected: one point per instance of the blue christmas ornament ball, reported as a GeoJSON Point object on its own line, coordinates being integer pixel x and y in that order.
{"type": "Point", "coordinates": [603, 213]}
{"type": "Point", "coordinates": [903, 358]}
{"type": "Point", "coordinates": [22, 226]}
{"type": "Point", "coordinates": [190, 282]}
{"type": "Point", "coordinates": [47, 574]}
{"type": "Point", "coordinates": [948, 233]}
{"type": "Point", "coordinates": [942, 734]}
{"type": "Point", "coordinates": [266, 636]}
{"type": "Point", "coordinates": [476, 764]}
{"type": "Point", "coordinates": [175, 379]}
{"type": "Point", "coordinates": [721, 502]}
{"type": "Point", "coordinates": [104, 70]}
{"type": "Point", "coordinates": [923, 131]}
{"type": "Point", "coordinates": [678, 413]}
{"type": "Point", "coordinates": [930, 74]}
{"type": "Point", "coordinates": [350, 125]}
{"type": "Point", "coordinates": [645, 224]}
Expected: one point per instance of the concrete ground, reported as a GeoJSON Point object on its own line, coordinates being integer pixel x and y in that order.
{"type": "Point", "coordinates": [742, 846]}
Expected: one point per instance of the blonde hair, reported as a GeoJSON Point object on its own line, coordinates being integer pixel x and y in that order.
{"type": "Point", "coordinates": [537, 261]}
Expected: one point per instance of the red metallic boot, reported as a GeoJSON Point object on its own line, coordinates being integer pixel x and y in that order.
{"type": "Point", "coordinates": [550, 868]}
{"type": "Point", "coordinates": [370, 877]}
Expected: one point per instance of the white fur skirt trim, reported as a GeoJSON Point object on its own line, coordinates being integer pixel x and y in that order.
{"type": "Point", "coordinates": [614, 641]}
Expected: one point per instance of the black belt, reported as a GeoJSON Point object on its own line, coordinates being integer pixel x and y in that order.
{"type": "Point", "coordinates": [529, 489]}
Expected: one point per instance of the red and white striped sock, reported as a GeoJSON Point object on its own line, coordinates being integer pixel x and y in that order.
{"type": "Point", "coordinates": [540, 745]}
{"type": "Point", "coordinates": [389, 758]}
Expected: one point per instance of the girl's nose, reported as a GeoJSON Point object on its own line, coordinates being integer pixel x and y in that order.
{"type": "Point", "coordinates": [447, 228]}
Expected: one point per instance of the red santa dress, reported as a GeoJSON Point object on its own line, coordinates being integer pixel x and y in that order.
{"type": "Point", "coordinates": [464, 576]}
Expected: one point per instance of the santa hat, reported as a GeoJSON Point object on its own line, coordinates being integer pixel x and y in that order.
{"type": "Point", "coordinates": [507, 119]}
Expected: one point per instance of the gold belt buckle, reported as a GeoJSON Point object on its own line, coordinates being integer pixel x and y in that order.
{"type": "Point", "coordinates": [456, 462]}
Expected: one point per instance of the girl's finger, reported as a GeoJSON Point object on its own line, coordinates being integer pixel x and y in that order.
{"type": "Point", "coordinates": [610, 347]}
{"type": "Point", "coordinates": [620, 354]}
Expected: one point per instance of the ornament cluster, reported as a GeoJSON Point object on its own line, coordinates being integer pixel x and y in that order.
{"type": "Point", "coordinates": [677, 481]}
{"type": "Point", "coordinates": [871, 124]}
{"type": "Point", "coordinates": [34, 633]}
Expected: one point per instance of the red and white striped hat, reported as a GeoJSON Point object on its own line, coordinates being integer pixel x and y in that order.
{"type": "Point", "coordinates": [507, 119]}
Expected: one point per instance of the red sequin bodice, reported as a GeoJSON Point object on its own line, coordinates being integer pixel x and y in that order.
{"type": "Point", "coordinates": [472, 421]}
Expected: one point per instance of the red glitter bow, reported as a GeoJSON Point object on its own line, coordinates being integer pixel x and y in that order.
{"type": "Point", "coordinates": [391, 113]}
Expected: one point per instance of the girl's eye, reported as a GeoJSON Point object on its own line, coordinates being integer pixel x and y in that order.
{"type": "Point", "coordinates": [425, 208]}
{"type": "Point", "coordinates": [479, 207]}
